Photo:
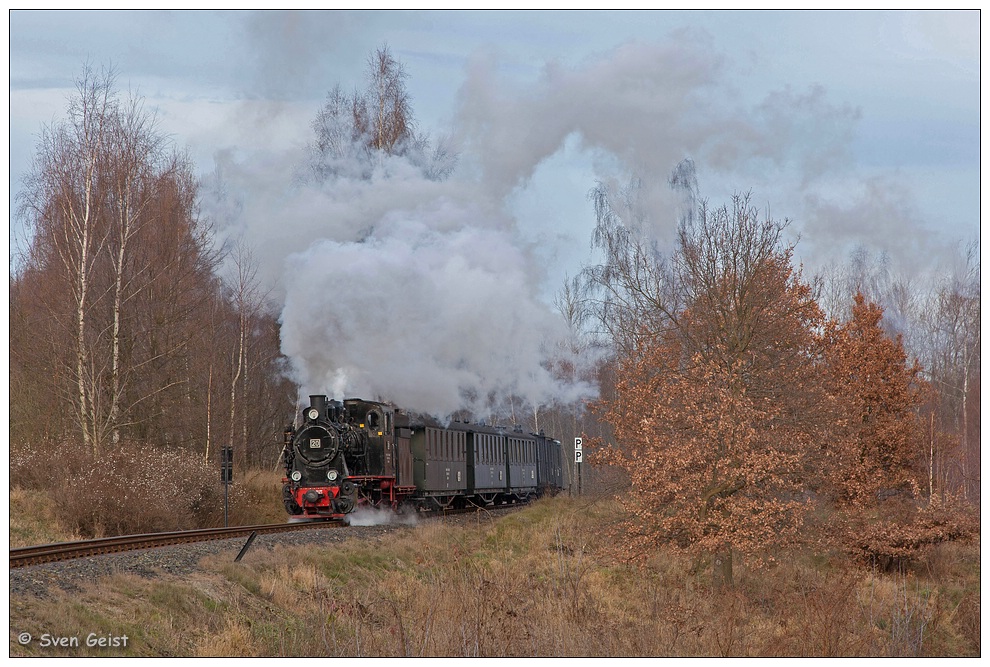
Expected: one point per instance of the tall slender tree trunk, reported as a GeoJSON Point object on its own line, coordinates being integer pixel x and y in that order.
{"type": "Point", "coordinates": [209, 411]}
{"type": "Point", "coordinates": [931, 458]}
{"type": "Point", "coordinates": [115, 371]}
{"type": "Point", "coordinates": [84, 233]}
{"type": "Point", "coordinates": [234, 381]}
{"type": "Point", "coordinates": [244, 393]}
{"type": "Point", "coordinates": [82, 361]}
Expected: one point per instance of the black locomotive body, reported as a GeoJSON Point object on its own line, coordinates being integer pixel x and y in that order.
{"type": "Point", "coordinates": [354, 453]}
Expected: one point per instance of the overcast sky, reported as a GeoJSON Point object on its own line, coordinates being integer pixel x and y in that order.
{"type": "Point", "coordinates": [861, 127]}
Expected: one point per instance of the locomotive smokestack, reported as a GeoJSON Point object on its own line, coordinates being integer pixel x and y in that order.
{"type": "Point", "coordinates": [318, 401]}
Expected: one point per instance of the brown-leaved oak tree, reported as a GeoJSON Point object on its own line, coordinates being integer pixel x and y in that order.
{"type": "Point", "coordinates": [716, 413]}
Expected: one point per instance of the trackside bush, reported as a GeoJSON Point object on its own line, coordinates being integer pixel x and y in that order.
{"type": "Point", "coordinates": [130, 489]}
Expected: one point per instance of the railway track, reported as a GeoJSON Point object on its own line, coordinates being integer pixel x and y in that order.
{"type": "Point", "coordinates": [47, 553]}
{"type": "Point", "coordinates": [60, 551]}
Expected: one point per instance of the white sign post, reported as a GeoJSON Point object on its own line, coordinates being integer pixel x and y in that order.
{"type": "Point", "coordinates": [578, 458]}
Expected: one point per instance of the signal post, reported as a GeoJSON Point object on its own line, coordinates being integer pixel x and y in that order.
{"type": "Point", "coordinates": [226, 476]}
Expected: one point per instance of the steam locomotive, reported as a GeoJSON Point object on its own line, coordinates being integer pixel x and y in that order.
{"type": "Point", "coordinates": [353, 453]}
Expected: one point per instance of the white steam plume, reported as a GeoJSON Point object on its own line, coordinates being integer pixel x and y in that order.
{"type": "Point", "coordinates": [434, 321]}
{"type": "Point", "coordinates": [375, 516]}
{"type": "Point", "coordinates": [423, 292]}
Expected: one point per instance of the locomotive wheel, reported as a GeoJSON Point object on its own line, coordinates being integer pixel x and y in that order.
{"type": "Point", "coordinates": [343, 504]}
{"type": "Point", "coordinates": [347, 499]}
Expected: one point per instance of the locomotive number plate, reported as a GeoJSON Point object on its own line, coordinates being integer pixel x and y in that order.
{"type": "Point", "coordinates": [314, 443]}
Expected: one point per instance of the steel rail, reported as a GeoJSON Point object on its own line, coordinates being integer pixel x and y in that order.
{"type": "Point", "coordinates": [46, 553]}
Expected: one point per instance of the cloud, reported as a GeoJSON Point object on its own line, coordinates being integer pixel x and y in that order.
{"type": "Point", "coordinates": [649, 106]}
{"type": "Point", "coordinates": [876, 212]}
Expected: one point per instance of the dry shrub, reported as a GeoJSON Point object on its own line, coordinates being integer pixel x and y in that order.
{"type": "Point", "coordinates": [906, 534]}
{"type": "Point", "coordinates": [32, 467]}
{"type": "Point", "coordinates": [967, 619]}
{"type": "Point", "coordinates": [809, 612]}
{"type": "Point", "coordinates": [133, 489]}
{"type": "Point", "coordinates": [129, 489]}
{"type": "Point", "coordinates": [136, 489]}
{"type": "Point", "coordinates": [902, 613]}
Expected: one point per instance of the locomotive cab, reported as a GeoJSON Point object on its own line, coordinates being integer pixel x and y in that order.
{"type": "Point", "coordinates": [376, 423]}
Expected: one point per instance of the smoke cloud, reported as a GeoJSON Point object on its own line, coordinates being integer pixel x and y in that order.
{"type": "Point", "coordinates": [432, 294]}
{"type": "Point", "coordinates": [433, 320]}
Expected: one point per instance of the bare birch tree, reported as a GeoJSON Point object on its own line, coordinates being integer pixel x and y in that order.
{"type": "Point", "coordinates": [113, 214]}
{"type": "Point", "coordinates": [354, 133]}
{"type": "Point", "coordinates": [247, 301]}
{"type": "Point", "coordinates": [64, 204]}
{"type": "Point", "coordinates": [135, 148]}
{"type": "Point", "coordinates": [389, 101]}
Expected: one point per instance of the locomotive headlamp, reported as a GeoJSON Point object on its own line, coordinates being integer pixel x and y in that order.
{"type": "Point", "coordinates": [313, 413]}
{"type": "Point", "coordinates": [296, 475]}
{"type": "Point", "coordinates": [331, 475]}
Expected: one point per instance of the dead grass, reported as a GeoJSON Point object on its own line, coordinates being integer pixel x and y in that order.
{"type": "Point", "coordinates": [536, 583]}
{"type": "Point", "coordinates": [34, 519]}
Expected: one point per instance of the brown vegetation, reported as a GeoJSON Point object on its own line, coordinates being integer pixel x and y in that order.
{"type": "Point", "coordinates": [129, 490]}
{"type": "Point", "coordinates": [715, 416]}
{"type": "Point", "coordinates": [738, 411]}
